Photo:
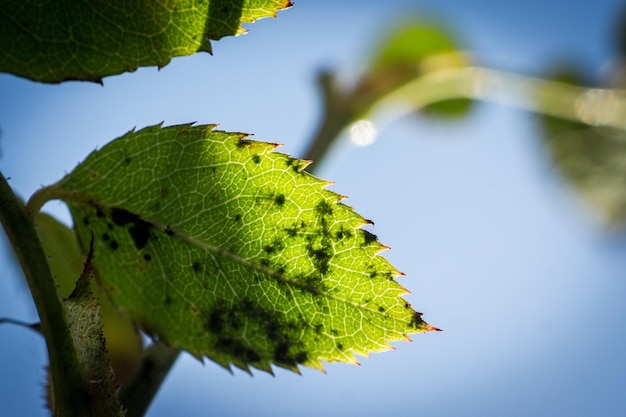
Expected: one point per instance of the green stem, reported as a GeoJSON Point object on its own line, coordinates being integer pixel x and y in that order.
{"type": "Point", "coordinates": [45, 194]}
{"type": "Point", "coordinates": [32, 326]}
{"type": "Point", "coordinates": [592, 106]}
{"type": "Point", "coordinates": [337, 116]}
{"type": "Point", "coordinates": [69, 388]}
{"type": "Point", "coordinates": [138, 392]}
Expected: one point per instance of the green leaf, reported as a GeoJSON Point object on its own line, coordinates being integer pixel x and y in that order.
{"type": "Point", "coordinates": [592, 159]}
{"type": "Point", "coordinates": [61, 249]}
{"type": "Point", "coordinates": [83, 317]}
{"type": "Point", "coordinates": [123, 342]}
{"type": "Point", "coordinates": [412, 50]}
{"type": "Point", "coordinates": [54, 41]}
{"type": "Point", "coordinates": [221, 247]}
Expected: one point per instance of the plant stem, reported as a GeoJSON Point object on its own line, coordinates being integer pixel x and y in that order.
{"type": "Point", "coordinates": [137, 393]}
{"type": "Point", "coordinates": [592, 106]}
{"type": "Point", "coordinates": [69, 393]}
{"type": "Point", "coordinates": [32, 326]}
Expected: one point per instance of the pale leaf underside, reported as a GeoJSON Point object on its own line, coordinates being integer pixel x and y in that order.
{"type": "Point", "coordinates": [217, 245]}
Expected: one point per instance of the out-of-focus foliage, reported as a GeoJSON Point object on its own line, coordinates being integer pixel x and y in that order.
{"type": "Point", "coordinates": [592, 158]}
{"type": "Point", "coordinates": [411, 50]}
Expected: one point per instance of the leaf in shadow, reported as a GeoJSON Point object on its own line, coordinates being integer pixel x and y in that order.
{"type": "Point", "coordinates": [592, 159]}
{"type": "Point", "coordinates": [54, 41]}
{"type": "Point", "coordinates": [123, 342]}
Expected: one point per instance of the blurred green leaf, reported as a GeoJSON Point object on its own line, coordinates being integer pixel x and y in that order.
{"type": "Point", "coordinates": [592, 159]}
{"type": "Point", "coordinates": [409, 44]}
{"type": "Point", "coordinates": [414, 49]}
{"type": "Point", "coordinates": [410, 53]}
{"type": "Point", "coordinates": [61, 248]}
{"type": "Point", "coordinates": [54, 41]}
{"type": "Point", "coordinates": [225, 249]}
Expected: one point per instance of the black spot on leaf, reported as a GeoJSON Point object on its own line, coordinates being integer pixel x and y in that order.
{"type": "Point", "coordinates": [256, 159]}
{"type": "Point", "coordinates": [274, 247]}
{"type": "Point", "coordinates": [279, 199]}
{"type": "Point", "coordinates": [225, 321]}
{"type": "Point", "coordinates": [324, 208]}
{"type": "Point", "coordinates": [237, 217]}
{"type": "Point", "coordinates": [114, 245]}
{"type": "Point", "coordinates": [295, 164]}
{"type": "Point", "coordinates": [196, 266]}
{"type": "Point", "coordinates": [242, 143]}
{"type": "Point", "coordinates": [312, 283]}
{"type": "Point", "coordinates": [123, 217]}
{"type": "Point", "coordinates": [147, 257]}
{"type": "Point", "coordinates": [230, 346]}
{"type": "Point", "coordinates": [169, 231]}
{"type": "Point", "coordinates": [291, 231]}
{"type": "Point", "coordinates": [369, 237]}
{"type": "Point", "coordinates": [281, 354]}
{"type": "Point", "coordinates": [416, 320]}
{"type": "Point", "coordinates": [215, 321]}
{"type": "Point", "coordinates": [105, 237]}
{"type": "Point", "coordinates": [343, 233]}
{"type": "Point", "coordinates": [320, 257]}
{"type": "Point", "coordinates": [140, 232]}
{"type": "Point", "coordinates": [139, 229]}
{"type": "Point", "coordinates": [302, 357]}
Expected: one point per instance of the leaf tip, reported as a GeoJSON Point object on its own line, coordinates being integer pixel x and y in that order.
{"type": "Point", "coordinates": [421, 325]}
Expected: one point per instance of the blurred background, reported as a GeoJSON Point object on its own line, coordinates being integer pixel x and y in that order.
{"type": "Point", "coordinates": [525, 279]}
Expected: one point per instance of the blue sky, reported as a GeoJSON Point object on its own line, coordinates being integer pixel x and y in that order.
{"type": "Point", "coordinates": [525, 282]}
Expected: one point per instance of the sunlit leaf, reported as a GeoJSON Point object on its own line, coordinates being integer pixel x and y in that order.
{"type": "Point", "coordinates": [218, 245]}
{"type": "Point", "coordinates": [53, 41]}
